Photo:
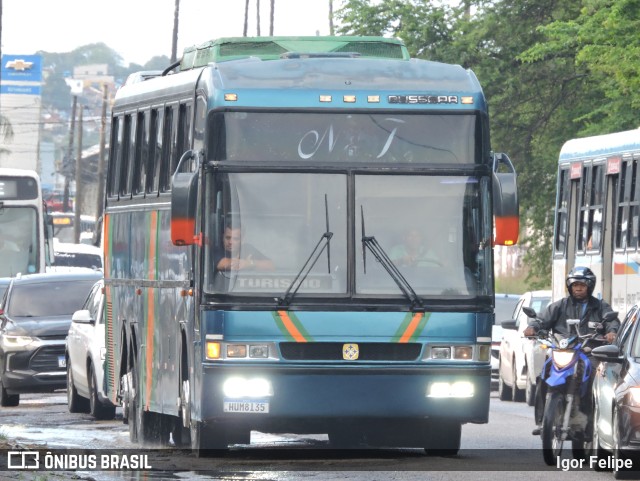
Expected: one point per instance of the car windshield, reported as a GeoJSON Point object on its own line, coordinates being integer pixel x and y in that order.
{"type": "Point", "coordinates": [58, 298]}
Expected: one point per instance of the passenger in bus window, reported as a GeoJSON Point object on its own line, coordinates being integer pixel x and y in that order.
{"type": "Point", "coordinates": [413, 252]}
{"type": "Point", "coordinates": [235, 255]}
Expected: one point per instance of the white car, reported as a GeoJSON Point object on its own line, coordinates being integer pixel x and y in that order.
{"type": "Point", "coordinates": [85, 354]}
{"type": "Point", "coordinates": [521, 359]}
{"type": "Point", "coordinates": [73, 257]}
{"type": "Point", "coordinates": [504, 308]}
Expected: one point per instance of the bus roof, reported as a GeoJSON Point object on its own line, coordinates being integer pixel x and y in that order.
{"type": "Point", "coordinates": [601, 146]}
{"type": "Point", "coordinates": [271, 48]}
{"type": "Point", "coordinates": [10, 171]}
{"type": "Point", "coordinates": [299, 82]}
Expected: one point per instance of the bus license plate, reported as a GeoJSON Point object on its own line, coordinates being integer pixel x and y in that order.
{"type": "Point", "coordinates": [247, 407]}
{"type": "Point", "coordinates": [62, 361]}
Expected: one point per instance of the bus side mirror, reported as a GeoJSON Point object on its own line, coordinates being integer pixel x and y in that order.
{"type": "Point", "coordinates": [505, 201]}
{"type": "Point", "coordinates": [184, 192]}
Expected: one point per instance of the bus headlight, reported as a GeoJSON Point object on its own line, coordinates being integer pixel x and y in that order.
{"type": "Point", "coordinates": [440, 353]}
{"type": "Point", "coordinates": [457, 389]}
{"type": "Point", "coordinates": [240, 387]}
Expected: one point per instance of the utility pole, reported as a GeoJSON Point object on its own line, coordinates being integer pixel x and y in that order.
{"type": "Point", "coordinates": [66, 166]}
{"type": "Point", "coordinates": [78, 203]}
{"type": "Point", "coordinates": [174, 43]}
{"type": "Point", "coordinates": [258, 16]}
{"type": "Point", "coordinates": [331, 29]}
{"type": "Point", "coordinates": [102, 161]}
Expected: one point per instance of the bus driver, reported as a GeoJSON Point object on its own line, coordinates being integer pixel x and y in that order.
{"type": "Point", "coordinates": [235, 255]}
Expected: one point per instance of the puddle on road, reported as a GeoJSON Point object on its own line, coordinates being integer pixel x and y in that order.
{"type": "Point", "coordinates": [57, 430]}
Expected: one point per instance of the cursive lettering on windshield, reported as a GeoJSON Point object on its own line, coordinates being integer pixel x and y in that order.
{"type": "Point", "coordinates": [366, 138]}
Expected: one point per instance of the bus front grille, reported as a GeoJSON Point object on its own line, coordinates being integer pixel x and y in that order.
{"type": "Point", "coordinates": [333, 351]}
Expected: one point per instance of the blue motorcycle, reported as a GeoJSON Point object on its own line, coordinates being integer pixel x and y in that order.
{"type": "Point", "coordinates": [566, 379]}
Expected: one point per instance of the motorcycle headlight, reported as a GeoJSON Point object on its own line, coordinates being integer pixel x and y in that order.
{"type": "Point", "coordinates": [562, 358]}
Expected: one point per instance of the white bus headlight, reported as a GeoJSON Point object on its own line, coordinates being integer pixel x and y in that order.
{"type": "Point", "coordinates": [440, 353]}
{"type": "Point", "coordinates": [457, 389]}
{"type": "Point", "coordinates": [240, 387]}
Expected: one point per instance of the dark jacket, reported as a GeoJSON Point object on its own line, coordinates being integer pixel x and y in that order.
{"type": "Point", "coordinates": [555, 316]}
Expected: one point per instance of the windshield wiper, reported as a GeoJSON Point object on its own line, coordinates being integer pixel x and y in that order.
{"type": "Point", "coordinates": [381, 256]}
{"type": "Point", "coordinates": [323, 243]}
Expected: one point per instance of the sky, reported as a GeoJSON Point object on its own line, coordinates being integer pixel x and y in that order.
{"type": "Point", "coordinates": [141, 29]}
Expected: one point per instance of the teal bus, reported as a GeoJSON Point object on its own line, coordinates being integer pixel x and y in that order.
{"type": "Point", "coordinates": [298, 238]}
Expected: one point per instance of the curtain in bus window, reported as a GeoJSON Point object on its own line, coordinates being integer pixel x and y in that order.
{"type": "Point", "coordinates": [18, 240]}
{"type": "Point", "coordinates": [596, 209]}
{"type": "Point", "coordinates": [621, 190]}
{"type": "Point", "coordinates": [562, 212]}
{"type": "Point", "coordinates": [346, 137]}
{"type": "Point", "coordinates": [430, 227]}
{"type": "Point", "coordinates": [633, 207]}
{"type": "Point", "coordinates": [262, 228]}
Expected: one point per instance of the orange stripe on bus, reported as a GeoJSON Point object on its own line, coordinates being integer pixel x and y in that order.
{"type": "Point", "coordinates": [290, 326]}
{"type": "Point", "coordinates": [411, 328]}
{"type": "Point", "coordinates": [151, 311]}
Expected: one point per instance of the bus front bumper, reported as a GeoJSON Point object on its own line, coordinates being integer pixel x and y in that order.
{"type": "Point", "coordinates": [311, 392]}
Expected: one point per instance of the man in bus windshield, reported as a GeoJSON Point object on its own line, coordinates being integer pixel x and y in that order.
{"type": "Point", "coordinates": [236, 255]}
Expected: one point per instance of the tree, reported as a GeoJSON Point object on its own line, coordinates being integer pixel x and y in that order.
{"type": "Point", "coordinates": [535, 107]}
{"type": "Point", "coordinates": [604, 45]}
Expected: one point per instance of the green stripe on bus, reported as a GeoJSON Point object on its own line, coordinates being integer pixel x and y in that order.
{"type": "Point", "coordinates": [300, 326]}
{"type": "Point", "coordinates": [403, 327]}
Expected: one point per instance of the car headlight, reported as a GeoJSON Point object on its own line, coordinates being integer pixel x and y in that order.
{"type": "Point", "coordinates": [634, 396]}
{"type": "Point", "coordinates": [17, 341]}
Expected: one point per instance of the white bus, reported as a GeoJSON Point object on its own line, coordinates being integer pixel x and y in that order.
{"type": "Point", "coordinates": [24, 239]}
{"type": "Point", "coordinates": [597, 215]}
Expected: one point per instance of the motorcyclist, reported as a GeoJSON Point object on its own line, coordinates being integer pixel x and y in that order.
{"type": "Point", "coordinates": [579, 304]}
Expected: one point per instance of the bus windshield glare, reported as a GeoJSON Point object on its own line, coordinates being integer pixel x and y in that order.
{"type": "Point", "coordinates": [429, 226]}
{"type": "Point", "coordinates": [345, 137]}
{"type": "Point", "coordinates": [18, 240]}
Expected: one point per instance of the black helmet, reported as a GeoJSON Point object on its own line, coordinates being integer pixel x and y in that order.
{"type": "Point", "coordinates": [584, 275]}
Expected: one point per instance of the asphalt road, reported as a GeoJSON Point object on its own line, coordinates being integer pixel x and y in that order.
{"type": "Point", "coordinates": [502, 449]}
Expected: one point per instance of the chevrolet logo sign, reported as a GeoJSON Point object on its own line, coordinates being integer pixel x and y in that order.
{"type": "Point", "coordinates": [19, 64]}
{"type": "Point", "coordinates": [350, 352]}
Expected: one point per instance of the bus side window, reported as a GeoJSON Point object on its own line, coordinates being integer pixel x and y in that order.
{"type": "Point", "coordinates": [155, 149]}
{"type": "Point", "coordinates": [114, 170]}
{"type": "Point", "coordinates": [140, 152]}
{"type": "Point", "coordinates": [168, 146]}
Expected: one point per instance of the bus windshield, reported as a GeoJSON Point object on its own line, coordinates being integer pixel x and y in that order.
{"type": "Point", "coordinates": [18, 240]}
{"type": "Point", "coordinates": [269, 223]}
{"type": "Point", "coordinates": [346, 137]}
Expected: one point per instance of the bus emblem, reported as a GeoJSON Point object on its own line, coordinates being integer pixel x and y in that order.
{"type": "Point", "coordinates": [350, 352]}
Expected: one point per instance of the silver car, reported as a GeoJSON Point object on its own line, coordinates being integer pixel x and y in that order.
{"type": "Point", "coordinates": [85, 359]}
{"type": "Point", "coordinates": [521, 359]}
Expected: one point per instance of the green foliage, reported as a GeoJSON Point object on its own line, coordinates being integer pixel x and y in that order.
{"type": "Point", "coordinates": [551, 71]}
